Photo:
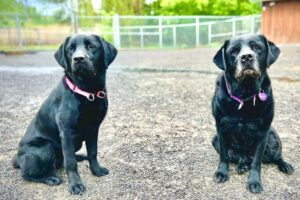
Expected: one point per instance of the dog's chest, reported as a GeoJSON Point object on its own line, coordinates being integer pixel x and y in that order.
{"type": "Point", "coordinates": [91, 115]}
{"type": "Point", "coordinates": [242, 133]}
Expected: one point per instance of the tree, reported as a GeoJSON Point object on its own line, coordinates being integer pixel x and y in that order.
{"type": "Point", "coordinates": [124, 7]}
{"type": "Point", "coordinates": [204, 7]}
{"type": "Point", "coordinates": [14, 6]}
{"type": "Point", "coordinates": [166, 7]}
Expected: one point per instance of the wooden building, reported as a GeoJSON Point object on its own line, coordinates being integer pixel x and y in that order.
{"type": "Point", "coordinates": [281, 21]}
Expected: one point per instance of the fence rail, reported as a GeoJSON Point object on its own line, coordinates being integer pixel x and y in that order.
{"type": "Point", "coordinates": [136, 31]}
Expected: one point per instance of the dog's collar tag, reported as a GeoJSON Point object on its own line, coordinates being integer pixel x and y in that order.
{"type": "Point", "coordinates": [262, 96]}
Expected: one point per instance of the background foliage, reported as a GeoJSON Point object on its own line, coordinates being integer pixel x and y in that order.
{"type": "Point", "coordinates": [206, 7]}
{"type": "Point", "coordinates": [46, 21]}
{"type": "Point", "coordinates": [138, 7]}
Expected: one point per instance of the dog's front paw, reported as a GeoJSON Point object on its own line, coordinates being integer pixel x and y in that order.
{"type": "Point", "coordinates": [220, 177]}
{"type": "Point", "coordinates": [242, 167]}
{"type": "Point", "coordinates": [254, 186]}
{"type": "Point", "coordinates": [76, 188]}
{"type": "Point", "coordinates": [99, 171]}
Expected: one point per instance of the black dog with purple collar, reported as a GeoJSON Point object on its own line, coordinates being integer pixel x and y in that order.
{"type": "Point", "coordinates": [243, 109]}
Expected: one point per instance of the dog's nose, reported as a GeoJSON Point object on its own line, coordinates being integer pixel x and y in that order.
{"type": "Point", "coordinates": [247, 58]}
{"type": "Point", "coordinates": [79, 58]}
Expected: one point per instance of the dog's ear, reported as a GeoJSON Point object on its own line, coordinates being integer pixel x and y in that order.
{"type": "Point", "coordinates": [272, 51]}
{"type": "Point", "coordinates": [60, 54]}
{"type": "Point", "coordinates": [219, 58]}
{"type": "Point", "coordinates": [110, 52]}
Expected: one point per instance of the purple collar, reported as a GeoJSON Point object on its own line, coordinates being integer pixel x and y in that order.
{"type": "Point", "coordinates": [261, 95]}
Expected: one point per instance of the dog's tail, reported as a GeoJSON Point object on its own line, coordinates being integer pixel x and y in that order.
{"type": "Point", "coordinates": [15, 162]}
{"type": "Point", "coordinates": [80, 157]}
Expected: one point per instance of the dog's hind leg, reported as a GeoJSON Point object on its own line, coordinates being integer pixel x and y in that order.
{"type": "Point", "coordinates": [15, 162]}
{"type": "Point", "coordinates": [215, 143]}
{"type": "Point", "coordinates": [273, 153]}
{"type": "Point", "coordinates": [37, 164]}
{"type": "Point", "coordinates": [233, 155]}
{"type": "Point", "coordinates": [284, 166]}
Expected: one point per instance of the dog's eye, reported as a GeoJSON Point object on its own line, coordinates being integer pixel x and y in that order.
{"type": "Point", "coordinates": [91, 46]}
{"type": "Point", "coordinates": [255, 46]}
{"type": "Point", "coordinates": [71, 48]}
{"type": "Point", "coordinates": [234, 50]}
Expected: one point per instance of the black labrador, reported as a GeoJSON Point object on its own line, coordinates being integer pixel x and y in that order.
{"type": "Point", "coordinates": [70, 115]}
{"type": "Point", "coordinates": [243, 109]}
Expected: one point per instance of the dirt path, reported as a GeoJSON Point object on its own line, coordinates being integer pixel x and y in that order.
{"type": "Point", "coordinates": [156, 137]}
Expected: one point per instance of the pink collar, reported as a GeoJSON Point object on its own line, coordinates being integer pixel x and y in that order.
{"type": "Point", "coordinates": [90, 96]}
{"type": "Point", "coordinates": [261, 95]}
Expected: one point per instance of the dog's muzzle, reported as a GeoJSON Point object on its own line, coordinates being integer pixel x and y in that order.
{"type": "Point", "coordinates": [248, 67]}
{"type": "Point", "coordinates": [83, 68]}
{"type": "Point", "coordinates": [248, 73]}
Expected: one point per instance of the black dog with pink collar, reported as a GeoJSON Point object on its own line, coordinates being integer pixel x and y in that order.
{"type": "Point", "coordinates": [70, 115]}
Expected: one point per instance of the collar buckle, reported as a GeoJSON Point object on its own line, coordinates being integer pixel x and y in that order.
{"type": "Point", "coordinates": [91, 97]}
{"type": "Point", "coordinates": [101, 94]}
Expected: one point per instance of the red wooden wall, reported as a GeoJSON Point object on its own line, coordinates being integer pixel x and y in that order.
{"type": "Point", "coordinates": [281, 22]}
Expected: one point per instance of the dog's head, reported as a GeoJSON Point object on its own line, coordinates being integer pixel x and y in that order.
{"type": "Point", "coordinates": [84, 56]}
{"type": "Point", "coordinates": [246, 57]}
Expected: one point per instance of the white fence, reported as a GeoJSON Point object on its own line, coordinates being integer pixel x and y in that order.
{"type": "Point", "coordinates": [172, 31]}
{"type": "Point", "coordinates": [132, 31]}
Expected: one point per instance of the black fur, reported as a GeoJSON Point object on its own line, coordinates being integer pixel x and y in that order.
{"type": "Point", "coordinates": [245, 136]}
{"type": "Point", "coordinates": [66, 119]}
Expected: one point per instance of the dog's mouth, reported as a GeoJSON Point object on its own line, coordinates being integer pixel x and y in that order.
{"type": "Point", "coordinates": [81, 70]}
{"type": "Point", "coordinates": [248, 73]}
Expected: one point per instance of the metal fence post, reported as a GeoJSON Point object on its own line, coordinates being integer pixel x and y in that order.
{"type": "Point", "coordinates": [76, 22]}
{"type": "Point", "coordinates": [197, 31]}
{"type": "Point", "coordinates": [233, 27]}
{"type": "Point", "coordinates": [72, 21]}
{"type": "Point", "coordinates": [38, 38]}
{"type": "Point", "coordinates": [74, 18]}
{"type": "Point", "coordinates": [253, 24]}
{"type": "Point", "coordinates": [9, 37]}
{"type": "Point", "coordinates": [116, 31]}
{"type": "Point", "coordinates": [141, 37]}
{"type": "Point", "coordinates": [209, 33]}
{"type": "Point", "coordinates": [19, 33]}
{"type": "Point", "coordinates": [160, 28]}
{"type": "Point", "coordinates": [174, 37]}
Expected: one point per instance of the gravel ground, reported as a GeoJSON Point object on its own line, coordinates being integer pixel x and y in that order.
{"type": "Point", "coordinates": [156, 137]}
